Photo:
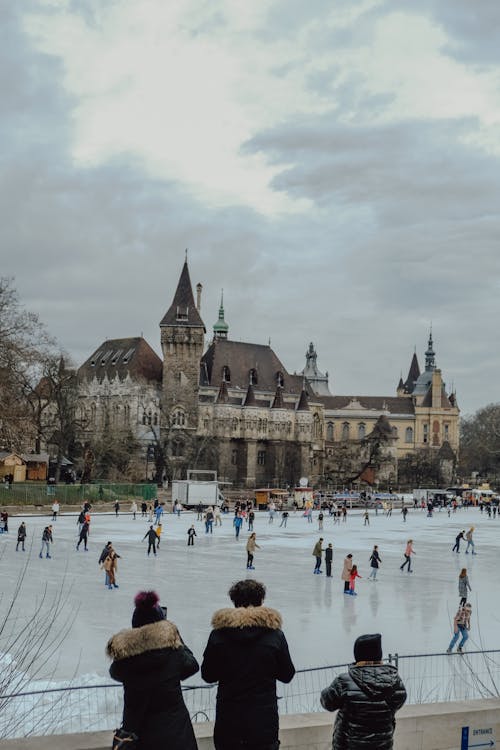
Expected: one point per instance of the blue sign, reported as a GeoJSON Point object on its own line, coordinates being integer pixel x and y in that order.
{"type": "Point", "coordinates": [477, 738]}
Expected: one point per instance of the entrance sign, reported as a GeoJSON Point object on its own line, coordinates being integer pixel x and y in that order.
{"type": "Point", "coordinates": [483, 737]}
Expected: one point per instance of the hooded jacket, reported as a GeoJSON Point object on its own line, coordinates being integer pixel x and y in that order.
{"type": "Point", "coordinates": [246, 653]}
{"type": "Point", "coordinates": [151, 661]}
{"type": "Point", "coordinates": [367, 697]}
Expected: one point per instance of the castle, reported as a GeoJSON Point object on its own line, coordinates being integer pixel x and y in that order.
{"type": "Point", "coordinates": [233, 406]}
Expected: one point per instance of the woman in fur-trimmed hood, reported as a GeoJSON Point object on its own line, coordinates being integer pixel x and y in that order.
{"type": "Point", "coordinates": [246, 653]}
{"type": "Point", "coordinates": [150, 659]}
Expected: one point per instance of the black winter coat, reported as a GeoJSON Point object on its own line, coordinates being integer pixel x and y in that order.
{"type": "Point", "coordinates": [150, 662]}
{"type": "Point", "coordinates": [367, 698]}
{"type": "Point", "coordinates": [246, 653]}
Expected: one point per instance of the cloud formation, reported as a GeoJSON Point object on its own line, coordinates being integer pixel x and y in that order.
{"type": "Point", "coordinates": [335, 169]}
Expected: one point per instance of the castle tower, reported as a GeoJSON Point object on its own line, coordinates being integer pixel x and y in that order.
{"type": "Point", "coordinates": [182, 341]}
{"type": "Point", "coordinates": [221, 328]}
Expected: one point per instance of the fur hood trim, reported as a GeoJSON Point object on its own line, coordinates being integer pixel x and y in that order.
{"type": "Point", "coordinates": [247, 617]}
{"type": "Point", "coordinates": [136, 641]}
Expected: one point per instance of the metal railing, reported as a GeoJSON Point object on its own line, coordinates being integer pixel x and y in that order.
{"type": "Point", "coordinates": [32, 493]}
{"type": "Point", "coordinates": [429, 678]}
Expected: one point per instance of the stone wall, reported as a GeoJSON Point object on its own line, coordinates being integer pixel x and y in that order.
{"type": "Point", "coordinates": [425, 727]}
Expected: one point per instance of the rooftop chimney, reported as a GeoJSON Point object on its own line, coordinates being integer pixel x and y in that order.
{"type": "Point", "coordinates": [199, 288]}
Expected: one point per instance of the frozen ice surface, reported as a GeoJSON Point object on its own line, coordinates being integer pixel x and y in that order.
{"type": "Point", "coordinates": [412, 611]}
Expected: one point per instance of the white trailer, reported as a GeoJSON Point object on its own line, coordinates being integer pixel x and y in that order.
{"type": "Point", "coordinates": [192, 491]}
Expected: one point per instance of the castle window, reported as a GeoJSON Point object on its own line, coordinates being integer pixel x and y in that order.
{"type": "Point", "coordinates": [144, 418]}
{"type": "Point", "coordinates": [426, 433]}
{"type": "Point", "coordinates": [126, 414]}
{"type": "Point", "coordinates": [330, 431]}
{"type": "Point", "coordinates": [409, 435]}
{"type": "Point", "coordinates": [182, 313]}
{"type": "Point", "coordinates": [446, 431]}
{"type": "Point", "coordinates": [253, 376]}
{"type": "Point", "coordinates": [178, 418]}
{"type": "Point", "coordinates": [234, 456]}
{"type": "Point", "coordinates": [345, 431]}
{"type": "Point", "coordinates": [280, 379]}
{"type": "Point", "coordinates": [226, 374]}
{"type": "Point", "coordinates": [150, 418]}
{"type": "Point", "coordinates": [317, 432]}
{"type": "Point", "coordinates": [361, 431]}
{"type": "Point", "coordinates": [155, 419]}
{"type": "Point", "coordinates": [395, 433]}
{"type": "Point", "coordinates": [92, 414]}
{"type": "Point", "coordinates": [177, 448]}
{"type": "Point", "coordinates": [261, 458]}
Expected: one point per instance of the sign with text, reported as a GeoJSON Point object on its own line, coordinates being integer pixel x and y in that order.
{"type": "Point", "coordinates": [483, 737]}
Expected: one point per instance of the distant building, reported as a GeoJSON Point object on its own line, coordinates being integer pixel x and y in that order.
{"type": "Point", "coordinates": [234, 407]}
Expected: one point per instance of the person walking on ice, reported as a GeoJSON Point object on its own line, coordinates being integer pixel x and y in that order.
{"type": "Point", "coordinates": [55, 510]}
{"type": "Point", "coordinates": [329, 560]}
{"type": "Point", "coordinates": [346, 572]}
{"type": "Point", "coordinates": [463, 586]}
{"type": "Point", "coordinates": [237, 523]}
{"type": "Point", "coordinates": [461, 627]}
{"type": "Point", "coordinates": [317, 553]}
{"type": "Point", "coordinates": [366, 516]}
{"type": "Point", "coordinates": [47, 540]}
{"type": "Point", "coordinates": [84, 535]}
{"type": "Point", "coordinates": [320, 520]}
{"type": "Point", "coordinates": [352, 580]}
{"type": "Point", "coordinates": [375, 563]}
{"type": "Point", "coordinates": [251, 547]}
{"type": "Point", "coordinates": [458, 539]}
{"type": "Point", "coordinates": [409, 551]}
{"type": "Point", "coordinates": [284, 519]}
{"type": "Point", "coordinates": [133, 509]}
{"type": "Point", "coordinates": [152, 538]}
{"type": "Point", "coordinates": [21, 536]}
{"type": "Point", "coordinates": [110, 565]}
{"type": "Point", "coordinates": [191, 535]}
{"type": "Point", "coordinates": [470, 541]}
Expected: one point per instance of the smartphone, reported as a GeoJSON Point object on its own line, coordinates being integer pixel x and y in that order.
{"type": "Point", "coordinates": [164, 610]}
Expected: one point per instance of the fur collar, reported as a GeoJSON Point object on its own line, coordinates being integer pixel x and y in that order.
{"type": "Point", "coordinates": [247, 617]}
{"type": "Point", "coordinates": [136, 641]}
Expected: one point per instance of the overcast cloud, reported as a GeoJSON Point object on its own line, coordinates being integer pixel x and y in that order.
{"type": "Point", "coordinates": [333, 166]}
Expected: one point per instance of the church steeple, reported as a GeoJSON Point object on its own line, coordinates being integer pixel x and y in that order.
{"type": "Point", "coordinates": [430, 355]}
{"type": "Point", "coordinates": [183, 310]}
{"type": "Point", "coordinates": [221, 328]}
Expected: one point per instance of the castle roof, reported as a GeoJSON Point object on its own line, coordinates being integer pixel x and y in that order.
{"type": "Point", "coordinates": [391, 404]}
{"type": "Point", "coordinates": [444, 402]}
{"type": "Point", "coordinates": [183, 310]}
{"type": "Point", "coordinates": [413, 374]}
{"type": "Point", "coordinates": [117, 358]}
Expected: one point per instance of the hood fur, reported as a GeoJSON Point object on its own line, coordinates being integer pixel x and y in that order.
{"type": "Point", "coordinates": [136, 641]}
{"type": "Point", "coordinates": [247, 617]}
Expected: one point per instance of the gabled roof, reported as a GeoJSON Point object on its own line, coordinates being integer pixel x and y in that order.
{"type": "Point", "coordinates": [413, 374]}
{"type": "Point", "coordinates": [250, 399]}
{"type": "Point", "coordinates": [278, 399]}
{"type": "Point", "coordinates": [183, 310]}
{"type": "Point", "coordinates": [117, 358]}
{"type": "Point", "coordinates": [392, 404]}
{"type": "Point", "coordinates": [444, 401]}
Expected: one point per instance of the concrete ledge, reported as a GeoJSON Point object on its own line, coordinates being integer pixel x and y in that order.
{"type": "Point", "coordinates": [436, 726]}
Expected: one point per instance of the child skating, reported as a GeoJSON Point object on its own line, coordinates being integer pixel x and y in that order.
{"type": "Point", "coordinates": [352, 580]}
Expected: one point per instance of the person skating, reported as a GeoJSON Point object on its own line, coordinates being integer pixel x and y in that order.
{"type": "Point", "coordinates": [117, 508]}
{"type": "Point", "coordinates": [199, 511]}
{"type": "Point", "coordinates": [84, 535]}
{"type": "Point", "coordinates": [329, 560]}
{"type": "Point", "coordinates": [47, 540]}
{"type": "Point", "coordinates": [367, 698]}
{"type": "Point", "coordinates": [375, 563]}
{"type": "Point", "coordinates": [133, 509]}
{"type": "Point", "coordinates": [4, 518]}
{"type": "Point", "coordinates": [152, 538]}
{"type": "Point", "coordinates": [352, 580]}
{"type": "Point", "coordinates": [251, 547]}
{"type": "Point", "coordinates": [251, 519]}
{"type": "Point", "coordinates": [21, 536]}
{"type": "Point", "coordinates": [320, 521]}
{"type": "Point", "coordinates": [409, 551]}
{"type": "Point", "coordinates": [458, 539]}
{"type": "Point", "coordinates": [191, 535]}
{"type": "Point", "coordinates": [461, 627]}
{"type": "Point", "coordinates": [317, 553]}
{"type": "Point", "coordinates": [217, 516]}
{"type": "Point", "coordinates": [151, 660]}
{"type": "Point", "coordinates": [110, 565]}
{"type": "Point", "coordinates": [246, 653]}
{"type": "Point", "coordinates": [209, 520]}
{"type": "Point", "coordinates": [284, 519]}
{"type": "Point", "coordinates": [470, 541]}
{"type": "Point", "coordinates": [463, 586]}
{"type": "Point", "coordinates": [366, 516]}
{"type": "Point", "coordinates": [144, 510]}
{"type": "Point", "coordinates": [237, 523]}
{"type": "Point", "coordinates": [158, 531]}
{"type": "Point", "coordinates": [55, 510]}
{"type": "Point", "coordinates": [404, 511]}
{"type": "Point", "coordinates": [346, 572]}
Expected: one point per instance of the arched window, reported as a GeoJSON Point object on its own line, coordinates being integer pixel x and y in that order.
{"type": "Point", "coordinates": [395, 433]}
{"type": "Point", "coordinates": [409, 435]}
{"type": "Point", "coordinates": [177, 448]}
{"type": "Point", "coordinates": [253, 376]}
{"type": "Point", "coordinates": [261, 458]}
{"type": "Point", "coordinates": [226, 374]}
{"type": "Point", "coordinates": [234, 456]}
{"type": "Point", "coordinates": [150, 418]}
{"type": "Point", "coordinates": [345, 431]}
{"type": "Point", "coordinates": [280, 379]}
{"type": "Point", "coordinates": [92, 414]}
{"type": "Point", "coordinates": [317, 431]}
{"type": "Point", "coordinates": [144, 418]}
{"type": "Point", "coordinates": [361, 431]}
{"type": "Point", "coordinates": [178, 418]}
{"type": "Point", "coordinates": [126, 414]}
{"type": "Point", "coordinates": [330, 431]}
{"type": "Point", "coordinates": [426, 433]}
{"type": "Point", "coordinates": [155, 419]}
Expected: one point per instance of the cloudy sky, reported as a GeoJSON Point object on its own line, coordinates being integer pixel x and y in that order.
{"type": "Point", "coordinates": [333, 165]}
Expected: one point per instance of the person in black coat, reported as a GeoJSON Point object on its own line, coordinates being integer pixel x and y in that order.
{"type": "Point", "coordinates": [246, 653]}
{"type": "Point", "coordinates": [367, 698]}
{"type": "Point", "coordinates": [150, 659]}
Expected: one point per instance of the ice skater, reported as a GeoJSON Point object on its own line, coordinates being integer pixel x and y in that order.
{"type": "Point", "coordinates": [352, 580]}
{"type": "Point", "coordinates": [84, 535]}
{"type": "Point", "coordinates": [375, 563]}
{"type": "Point", "coordinates": [317, 553]}
{"type": "Point", "coordinates": [21, 536]}
{"type": "Point", "coordinates": [284, 519]}
{"type": "Point", "coordinates": [251, 519]}
{"type": "Point", "coordinates": [110, 565]}
{"type": "Point", "coordinates": [158, 514]}
{"type": "Point", "coordinates": [470, 541]}
{"type": "Point", "coordinates": [47, 540]}
{"type": "Point", "coordinates": [237, 523]}
{"type": "Point", "coordinates": [251, 547]}
{"type": "Point", "coordinates": [191, 535]}
{"type": "Point", "coordinates": [320, 520]}
{"type": "Point", "coordinates": [152, 538]}
{"type": "Point", "coordinates": [55, 510]}
{"type": "Point", "coordinates": [117, 508]}
{"type": "Point", "coordinates": [329, 560]}
{"type": "Point", "coordinates": [133, 509]}
{"type": "Point", "coordinates": [461, 627]}
{"type": "Point", "coordinates": [463, 586]}
{"type": "Point", "coordinates": [217, 516]}
{"type": "Point", "coordinates": [409, 551]}
{"type": "Point", "coordinates": [144, 510]}
{"type": "Point", "coordinates": [404, 512]}
{"type": "Point", "coordinates": [346, 572]}
{"type": "Point", "coordinates": [366, 516]}
{"type": "Point", "coordinates": [458, 539]}
{"type": "Point", "coordinates": [159, 529]}
{"type": "Point", "coordinates": [209, 520]}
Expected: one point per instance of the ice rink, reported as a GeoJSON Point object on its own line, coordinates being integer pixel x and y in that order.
{"type": "Point", "coordinates": [412, 611]}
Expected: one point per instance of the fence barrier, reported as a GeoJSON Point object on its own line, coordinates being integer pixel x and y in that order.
{"type": "Point", "coordinates": [429, 678]}
{"type": "Point", "coordinates": [33, 493]}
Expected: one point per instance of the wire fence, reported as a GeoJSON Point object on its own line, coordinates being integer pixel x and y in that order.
{"type": "Point", "coordinates": [33, 493]}
{"type": "Point", "coordinates": [429, 678]}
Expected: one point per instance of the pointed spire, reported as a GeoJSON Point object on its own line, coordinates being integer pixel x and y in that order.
{"type": "Point", "coordinates": [183, 310]}
{"type": "Point", "coordinates": [221, 328]}
{"type": "Point", "coordinates": [413, 374]}
{"type": "Point", "coordinates": [223, 395]}
{"type": "Point", "coordinates": [430, 355]}
{"type": "Point", "coordinates": [401, 385]}
{"type": "Point", "coordinates": [303, 404]}
{"type": "Point", "coordinates": [278, 402]}
{"type": "Point", "coordinates": [250, 399]}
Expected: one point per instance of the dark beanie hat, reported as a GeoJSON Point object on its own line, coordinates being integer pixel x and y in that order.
{"type": "Point", "coordinates": [147, 609]}
{"type": "Point", "coordinates": [368, 647]}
